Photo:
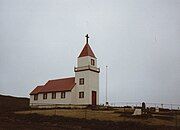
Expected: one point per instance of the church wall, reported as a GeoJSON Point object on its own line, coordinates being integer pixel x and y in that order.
{"type": "Point", "coordinates": [32, 99]}
{"type": "Point", "coordinates": [82, 88]}
{"type": "Point", "coordinates": [91, 80]}
{"type": "Point", "coordinates": [49, 100]}
{"type": "Point", "coordinates": [85, 61]}
{"type": "Point", "coordinates": [94, 85]}
{"type": "Point", "coordinates": [73, 95]}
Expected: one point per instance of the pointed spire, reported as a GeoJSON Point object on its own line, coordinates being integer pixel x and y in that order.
{"type": "Point", "coordinates": [87, 51]}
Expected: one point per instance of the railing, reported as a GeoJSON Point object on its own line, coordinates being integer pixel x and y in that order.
{"type": "Point", "coordinates": [76, 69]}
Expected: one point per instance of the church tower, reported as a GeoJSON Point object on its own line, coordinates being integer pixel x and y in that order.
{"type": "Point", "coordinates": [87, 77]}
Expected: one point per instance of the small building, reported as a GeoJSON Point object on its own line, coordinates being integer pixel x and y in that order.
{"type": "Point", "coordinates": [81, 90]}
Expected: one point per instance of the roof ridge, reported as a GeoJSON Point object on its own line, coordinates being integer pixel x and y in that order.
{"type": "Point", "coordinates": [61, 78]}
{"type": "Point", "coordinates": [40, 85]}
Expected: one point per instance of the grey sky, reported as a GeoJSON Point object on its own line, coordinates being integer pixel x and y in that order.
{"type": "Point", "coordinates": [138, 39]}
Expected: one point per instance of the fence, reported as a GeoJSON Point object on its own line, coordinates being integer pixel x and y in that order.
{"type": "Point", "coordinates": [156, 105]}
{"type": "Point", "coordinates": [173, 112]}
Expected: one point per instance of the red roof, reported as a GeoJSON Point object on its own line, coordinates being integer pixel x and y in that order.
{"type": "Point", "coordinates": [87, 51]}
{"type": "Point", "coordinates": [57, 85]}
{"type": "Point", "coordinates": [37, 90]}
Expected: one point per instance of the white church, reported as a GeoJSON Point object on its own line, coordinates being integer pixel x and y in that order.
{"type": "Point", "coordinates": [81, 90]}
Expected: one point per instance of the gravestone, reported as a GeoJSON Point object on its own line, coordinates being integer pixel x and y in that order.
{"type": "Point", "coordinates": [143, 108]}
{"type": "Point", "coordinates": [137, 112]}
{"type": "Point", "coordinates": [157, 109]}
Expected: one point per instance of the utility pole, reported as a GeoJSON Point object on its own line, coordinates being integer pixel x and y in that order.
{"type": "Point", "coordinates": [106, 86]}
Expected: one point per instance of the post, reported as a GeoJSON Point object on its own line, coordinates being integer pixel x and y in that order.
{"type": "Point", "coordinates": [176, 119]}
{"type": "Point", "coordinates": [55, 109]}
{"type": "Point", "coordinates": [162, 106]}
{"type": "Point", "coordinates": [85, 116]}
{"type": "Point", "coordinates": [106, 87]}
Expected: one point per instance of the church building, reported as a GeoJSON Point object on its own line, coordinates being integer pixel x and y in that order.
{"type": "Point", "coordinates": [81, 90]}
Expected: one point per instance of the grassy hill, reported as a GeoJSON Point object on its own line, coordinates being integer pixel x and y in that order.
{"type": "Point", "coordinates": [9, 103]}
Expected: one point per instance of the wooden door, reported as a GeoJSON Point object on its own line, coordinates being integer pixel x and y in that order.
{"type": "Point", "coordinates": [93, 98]}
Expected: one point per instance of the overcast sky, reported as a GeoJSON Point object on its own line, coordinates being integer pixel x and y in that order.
{"type": "Point", "coordinates": [138, 39]}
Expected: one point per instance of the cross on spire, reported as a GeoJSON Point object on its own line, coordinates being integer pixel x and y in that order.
{"type": "Point", "coordinates": [87, 38]}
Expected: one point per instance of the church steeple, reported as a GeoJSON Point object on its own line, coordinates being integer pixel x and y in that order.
{"type": "Point", "coordinates": [87, 51]}
{"type": "Point", "coordinates": [87, 76]}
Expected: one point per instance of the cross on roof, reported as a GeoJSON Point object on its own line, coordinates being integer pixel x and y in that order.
{"type": "Point", "coordinates": [87, 38]}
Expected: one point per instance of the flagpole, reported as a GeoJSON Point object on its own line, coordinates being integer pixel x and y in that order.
{"type": "Point", "coordinates": [106, 86]}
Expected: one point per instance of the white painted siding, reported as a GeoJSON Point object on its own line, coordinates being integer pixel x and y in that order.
{"type": "Point", "coordinates": [91, 82]}
{"type": "Point", "coordinates": [85, 61]}
{"type": "Point", "coordinates": [94, 85]}
{"type": "Point", "coordinates": [49, 100]}
{"type": "Point", "coordinates": [82, 88]}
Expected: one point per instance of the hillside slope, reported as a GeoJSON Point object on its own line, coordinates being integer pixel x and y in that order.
{"type": "Point", "coordinates": [9, 103]}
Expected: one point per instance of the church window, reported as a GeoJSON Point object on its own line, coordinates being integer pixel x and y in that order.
{"type": "Point", "coordinates": [54, 95]}
{"type": "Point", "coordinates": [81, 94]}
{"type": "Point", "coordinates": [36, 97]}
{"type": "Point", "coordinates": [92, 62]}
{"type": "Point", "coordinates": [44, 95]}
{"type": "Point", "coordinates": [63, 94]}
{"type": "Point", "coordinates": [81, 81]}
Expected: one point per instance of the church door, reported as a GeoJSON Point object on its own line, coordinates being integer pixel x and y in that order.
{"type": "Point", "coordinates": [93, 98]}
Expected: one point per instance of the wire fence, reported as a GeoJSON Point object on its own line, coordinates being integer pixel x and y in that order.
{"type": "Point", "coordinates": [155, 105]}
{"type": "Point", "coordinates": [172, 115]}
{"type": "Point", "coordinates": [112, 104]}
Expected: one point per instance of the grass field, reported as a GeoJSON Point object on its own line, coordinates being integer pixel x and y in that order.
{"type": "Point", "coordinates": [15, 114]}
{"type": "Point", "coordinates": [106, 115]}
